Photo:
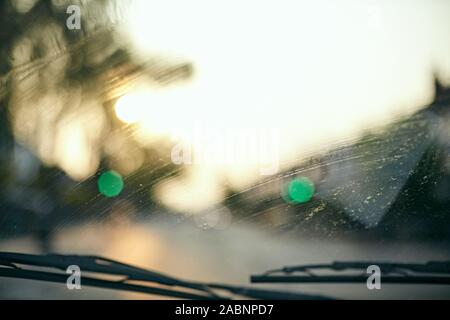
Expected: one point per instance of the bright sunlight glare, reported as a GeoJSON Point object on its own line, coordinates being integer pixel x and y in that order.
{"type": "Point", "coordinates": [315, 71]}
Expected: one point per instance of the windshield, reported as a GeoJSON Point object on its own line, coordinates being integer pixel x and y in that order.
{"type": "Point", "coordinates": [215, 141]}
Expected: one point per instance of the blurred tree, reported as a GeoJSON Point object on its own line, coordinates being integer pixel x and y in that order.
{"type": "Point", "coordinates": [57, 87]}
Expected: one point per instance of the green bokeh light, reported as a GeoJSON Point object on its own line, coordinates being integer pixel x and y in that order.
{"type": "Point", "coordinates": [300, 190]}
{"type": "Point", "coordinates": [110, 183]}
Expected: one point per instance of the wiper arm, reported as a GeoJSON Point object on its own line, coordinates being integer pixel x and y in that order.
{"type": "Point", "coordinates": [432, 272]}
{"type": "Point", "coordinates": [388, 267]}
{"type": "Point", "coordinates": [11, 267]}
{"type": "Point", "coordinates": [265, 294]}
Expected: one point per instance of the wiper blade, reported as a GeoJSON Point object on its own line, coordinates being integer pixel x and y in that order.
{"type": "Point", "coordinates": [98, 265]}
{"type": "Point", "coordinates": [100, 283]}
{"type": "Point", "coordinates": [432, 272]}
{"type": "Point", "coordinates": [88, 263]}
{"type": "Point", "coordinates": [11, 267]}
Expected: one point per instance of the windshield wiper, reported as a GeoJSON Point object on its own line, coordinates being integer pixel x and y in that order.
{"type": "Point", "coordinates": [432, 272]}
{"type": "Point", "coordinates": [12, 266]}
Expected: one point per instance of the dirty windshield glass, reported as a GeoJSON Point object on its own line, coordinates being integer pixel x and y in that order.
{"type": "Point", "coordinates": [218, 140]}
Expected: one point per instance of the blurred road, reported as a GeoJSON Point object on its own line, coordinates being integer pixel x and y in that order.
{"type": "Point", "coordinates": [184, 250]}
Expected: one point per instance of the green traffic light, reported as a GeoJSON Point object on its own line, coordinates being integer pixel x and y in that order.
{"type": "Point", "coordinates": [300, 190]}
{"type": "Point", "coordinates": [110, 183]}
